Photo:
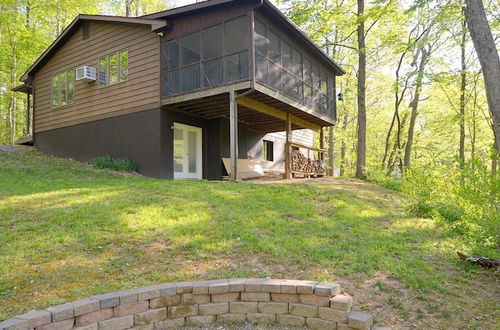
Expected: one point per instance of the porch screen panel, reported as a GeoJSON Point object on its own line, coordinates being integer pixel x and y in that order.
{"type": "Point", "coordinates": [205, 58]}
{"type": "Point", "coordinates": [189, 77]}
{"type": "Point", "coordinates": [212, 72]}
{"type": "Point", "coordinates": [211, 41]}
{"type": "Point", "coordinates": [235, 35]}
{"type": "Point", "coordinates": [285, 68]}
{"type": "Point", "coordinates": [190, 48]}
{"type": "Point", "coordinates": [236, 67]}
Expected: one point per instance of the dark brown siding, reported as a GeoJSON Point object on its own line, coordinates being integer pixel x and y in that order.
{"type": "Point", "coordinates": [140, 92]}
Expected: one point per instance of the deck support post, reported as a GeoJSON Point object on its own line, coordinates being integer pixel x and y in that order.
{"type": "Point", "coordinates": [288, 155]}
{"type": "Point", "coordinates": [321, 142]}
{"type": "Point", "coordinates": [233, 135]}
{"type": "Point", "coordinates": [330, 151]}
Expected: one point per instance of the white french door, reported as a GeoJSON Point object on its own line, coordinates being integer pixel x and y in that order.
{"type": "Point", "coordinates": [187, 152]}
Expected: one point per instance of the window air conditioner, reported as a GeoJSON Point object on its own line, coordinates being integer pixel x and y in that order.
{"type": "Point", "coordinates": [86, 73]}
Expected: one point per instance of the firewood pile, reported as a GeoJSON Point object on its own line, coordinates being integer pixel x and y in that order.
{"type": "Point", "coordinates": [304, 165]}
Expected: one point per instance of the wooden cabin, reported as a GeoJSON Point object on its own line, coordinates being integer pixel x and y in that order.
{"type": "Point", "coordinates": [179, 91]}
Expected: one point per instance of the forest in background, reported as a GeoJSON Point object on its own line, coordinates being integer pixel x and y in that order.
{"type": "Point", "coordinates": [429, 131]}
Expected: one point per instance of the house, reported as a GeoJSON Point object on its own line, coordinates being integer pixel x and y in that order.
{"type": "Point", "coordinates": [180, 90]}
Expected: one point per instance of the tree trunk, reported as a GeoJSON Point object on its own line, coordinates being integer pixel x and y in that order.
{"type": "Point", "coordinates": [128, 7]}
{"type": "Point", "coordinates": [361, 145]}
{"type": "Point", "coordinates": [488, 58]}
{"type": "Point", "coordinates": [58, 18]}
{"type": "Point", "coordinates": [414, 107]}
{"type": "Point", "coordinates": [12, 104]}
{"type": "Point", "coordinates": [343, 145]}
{"type": "Point", "coordinates": [463, 85]}
{"type": "Point", "coordinates": [398, 98]}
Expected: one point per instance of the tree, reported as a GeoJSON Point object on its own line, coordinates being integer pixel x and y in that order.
{"type": "Point", "coordinates": [488, 57]}
{"type": "Point", "coordinates": [361, 145]}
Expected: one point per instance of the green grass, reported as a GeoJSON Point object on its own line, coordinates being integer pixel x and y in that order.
{"type": "Point", "coordinates": [68, 231]}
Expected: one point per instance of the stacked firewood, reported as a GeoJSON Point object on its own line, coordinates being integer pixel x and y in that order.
{"type": "Point", "coordinates": [303, 164]}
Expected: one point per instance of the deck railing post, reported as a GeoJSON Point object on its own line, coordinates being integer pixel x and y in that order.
{"type": "Point", "coordinates": [233, 135]}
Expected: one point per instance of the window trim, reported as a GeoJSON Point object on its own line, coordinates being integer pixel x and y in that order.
{"type": "Point", "coordinates": [59, 90]}
{"type": "Point", "coordinates": [108, 84]}
{"type": "Point", "coordinates": [266, 151]}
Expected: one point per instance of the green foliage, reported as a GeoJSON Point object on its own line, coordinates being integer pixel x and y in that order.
{"type": "Point", "coordinates": [376, 176]}
{"type": "Point", "coordinates": [464, 201]}
{"type": "Point", "coordinates": [117, 164]}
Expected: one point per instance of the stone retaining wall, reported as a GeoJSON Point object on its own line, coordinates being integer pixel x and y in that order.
{"type": "Point", "coordinates": [295, 303]}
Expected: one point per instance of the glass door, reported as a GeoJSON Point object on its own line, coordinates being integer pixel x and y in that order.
{"type": "Point", "coordinates": [187, 152]}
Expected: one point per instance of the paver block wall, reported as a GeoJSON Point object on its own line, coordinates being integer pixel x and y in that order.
{"type": "Point", "coordinates": [266, 301]}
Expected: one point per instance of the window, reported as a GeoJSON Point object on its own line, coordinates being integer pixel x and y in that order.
{"type": "Point", "coordinates": [63, 88]}
{"type": "Point", "coordinates": [267, 150]}
{"type": "Point", "coordinates": [113, 68]}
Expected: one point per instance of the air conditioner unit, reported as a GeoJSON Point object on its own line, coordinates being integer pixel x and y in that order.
{"type": "Point", "coordinates": [86, 73]}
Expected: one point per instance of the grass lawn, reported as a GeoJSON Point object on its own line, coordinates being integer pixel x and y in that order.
{"type": "Point", "coordinates": [68, 231]}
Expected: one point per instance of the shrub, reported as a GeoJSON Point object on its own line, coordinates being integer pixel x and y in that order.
{"type": "Point", "coordinates": [464, 201]}
{"type": "Point", "coordinates": [117, 164]}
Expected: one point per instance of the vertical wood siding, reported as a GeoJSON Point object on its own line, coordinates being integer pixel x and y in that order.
{"type": "Point", "coordinates": [140, 92]}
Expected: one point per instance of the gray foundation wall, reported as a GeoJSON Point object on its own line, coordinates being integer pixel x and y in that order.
{"type": "Point", "coordinates": [146, 138]}
{"type": "Point", "coordinates": [140, 137]}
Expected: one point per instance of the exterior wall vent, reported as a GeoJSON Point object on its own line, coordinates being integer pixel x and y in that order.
{"type": "Point", "coordinates": [85, 30]}
{"type": "Point", "coordinates": [86, 73]}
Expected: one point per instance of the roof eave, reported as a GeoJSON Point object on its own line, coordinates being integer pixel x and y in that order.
{"type": "Point", "coordinates": [156, 25]}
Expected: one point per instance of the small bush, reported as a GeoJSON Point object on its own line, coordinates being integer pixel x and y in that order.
{"type": "Point", "coordinates": [117, 164]}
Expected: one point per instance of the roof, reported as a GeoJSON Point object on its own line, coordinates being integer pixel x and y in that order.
{"type": "Point", "coordinates": [155, 24]}
{"type": "Point", "coordinates": [159, 21]}
{"type": "Point", "coordinates": [23, 88]}
{"type": "Point", "coordinates": [201, 7]}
